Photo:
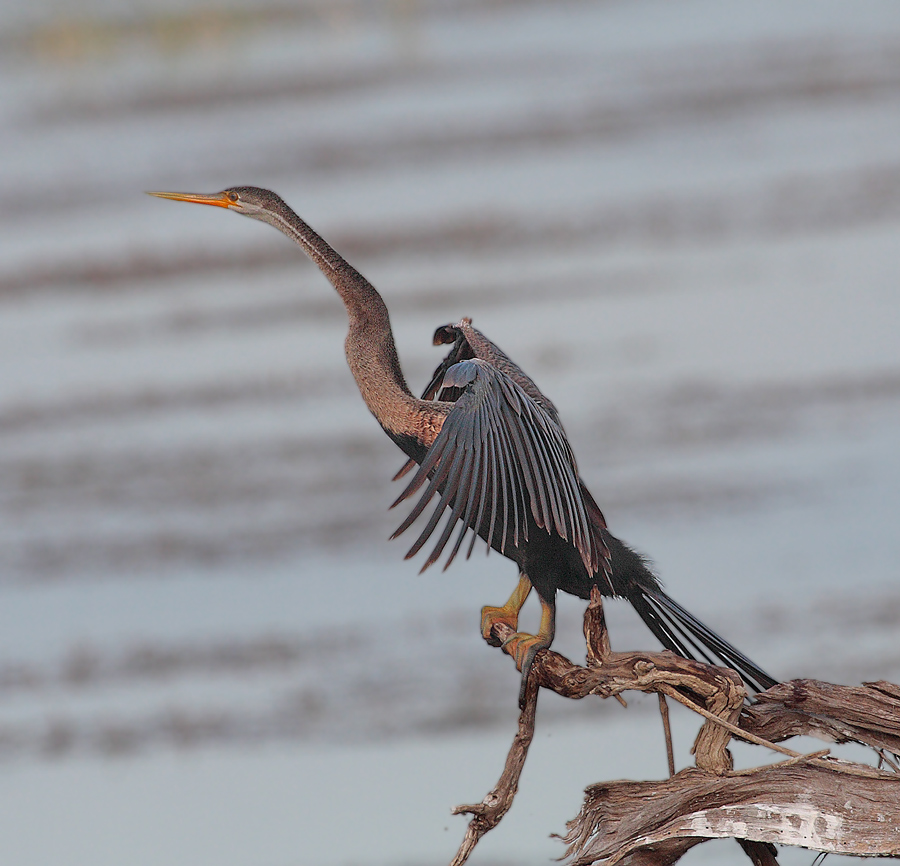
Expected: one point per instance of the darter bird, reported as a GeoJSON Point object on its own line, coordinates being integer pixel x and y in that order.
{"type": "Point", "coordinates": [491, 454]}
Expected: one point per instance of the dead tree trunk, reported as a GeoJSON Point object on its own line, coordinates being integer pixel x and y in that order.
{"type": "Point", "coordinates": [814, 801]}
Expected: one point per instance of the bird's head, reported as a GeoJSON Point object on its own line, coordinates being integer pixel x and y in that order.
{"type": "Point", "coordinates": [251, 201]}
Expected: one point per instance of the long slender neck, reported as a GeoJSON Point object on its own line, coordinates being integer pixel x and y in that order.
{"type": "Point", "coordinates": [369, 347]}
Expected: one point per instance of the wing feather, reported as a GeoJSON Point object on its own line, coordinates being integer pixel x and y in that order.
{"type": "Point", "coordinates": [511, 484]}
{"type": "Point", "coordinates": [448, 471]}
{"type": "Point", "coordinates": [495, 484]}
{"type": "Point", "coordinates": [483, 491]}
{"type": "Point", "coordinates": [473, 500]}
{"type": "Point", "coordinates": [432, 458]}
{"type": "Point", "coordinates": [456, 497]}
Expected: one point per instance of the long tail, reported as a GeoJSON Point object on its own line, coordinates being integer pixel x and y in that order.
{"type": "Point", "coordinates": [679, 630]}
{"type": "Point", "coordinates": [675, 628]}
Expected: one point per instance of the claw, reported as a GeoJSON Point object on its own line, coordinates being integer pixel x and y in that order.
{"type": "Point", "coordinates": [491, 616]}
{"type": "Point", "coordinates": [523, 648]}
{"type": "Point", "coordinates": [508, 614]}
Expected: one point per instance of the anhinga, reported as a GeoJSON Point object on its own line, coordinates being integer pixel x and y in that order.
{"type": "Point", "coordinates": [490, 450]}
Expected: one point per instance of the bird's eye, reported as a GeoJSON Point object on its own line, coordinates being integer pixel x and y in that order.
{"type": "Point", "coordinates": [233, 196]}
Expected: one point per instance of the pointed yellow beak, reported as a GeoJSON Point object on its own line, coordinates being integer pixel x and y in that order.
{"type": "Point", "coordinates": [219, 199]}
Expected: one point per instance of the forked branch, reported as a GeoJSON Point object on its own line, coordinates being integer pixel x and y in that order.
{"type": "Point", "coordinates": [808, 800]}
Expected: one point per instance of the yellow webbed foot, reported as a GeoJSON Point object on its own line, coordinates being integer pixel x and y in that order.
{"type": "Point", "coordinates": [521, 646]}
{"type": "Point", "coordinates": [491, 616]}
{"type": "Point", "coordinates": [524, 647]}
{"type": "Point", "coordinates": [508, 614]}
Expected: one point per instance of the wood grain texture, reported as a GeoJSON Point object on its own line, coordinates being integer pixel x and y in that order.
{"type": "Point", "coordinates": [813, 801]}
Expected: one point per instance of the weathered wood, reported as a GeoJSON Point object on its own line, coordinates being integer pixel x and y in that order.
{"type": "Point", "coordinates": [809, 800]}
{"type": "Point", "coordinates": [867, 714]}
{"type": "Point", "coordinates": [807, 804]}
{"type": "Point", "coordinates": [667, 731]}
{"type": "Point", "coordinates": [719, 692]}
{"type": "Point", "coordinates": [496, 803]}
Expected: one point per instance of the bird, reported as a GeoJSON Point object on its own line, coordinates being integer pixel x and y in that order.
{"type": "Point", "coordinates": [492, 458]}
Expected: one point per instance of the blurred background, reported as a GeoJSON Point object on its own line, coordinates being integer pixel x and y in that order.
{"type": "Point", "coordinates": [680, 219]}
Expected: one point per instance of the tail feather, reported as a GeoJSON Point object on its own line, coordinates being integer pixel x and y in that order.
{"type": "Point", "coordinates": [662, 630]}
{"type": "Point", "coordinates": [679, 630]}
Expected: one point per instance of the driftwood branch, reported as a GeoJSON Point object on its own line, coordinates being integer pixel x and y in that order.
{"type": "Point", "coordinates": [490, 811]}
{"type": "Point", "coordinates": [812, 801]}
{"type": "Point", "coordinates": [825, 808]}
{"type": "Point", "coordinates": [868, 714]}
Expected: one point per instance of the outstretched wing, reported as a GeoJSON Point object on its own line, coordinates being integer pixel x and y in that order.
{"type": "Point", "coordinates": [500, 464]}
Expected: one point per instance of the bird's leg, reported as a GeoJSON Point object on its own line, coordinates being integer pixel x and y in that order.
{"type": "Point", "coordinates": [508, 614]}
{"type": "Point", "coordinates": [524, 647]}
